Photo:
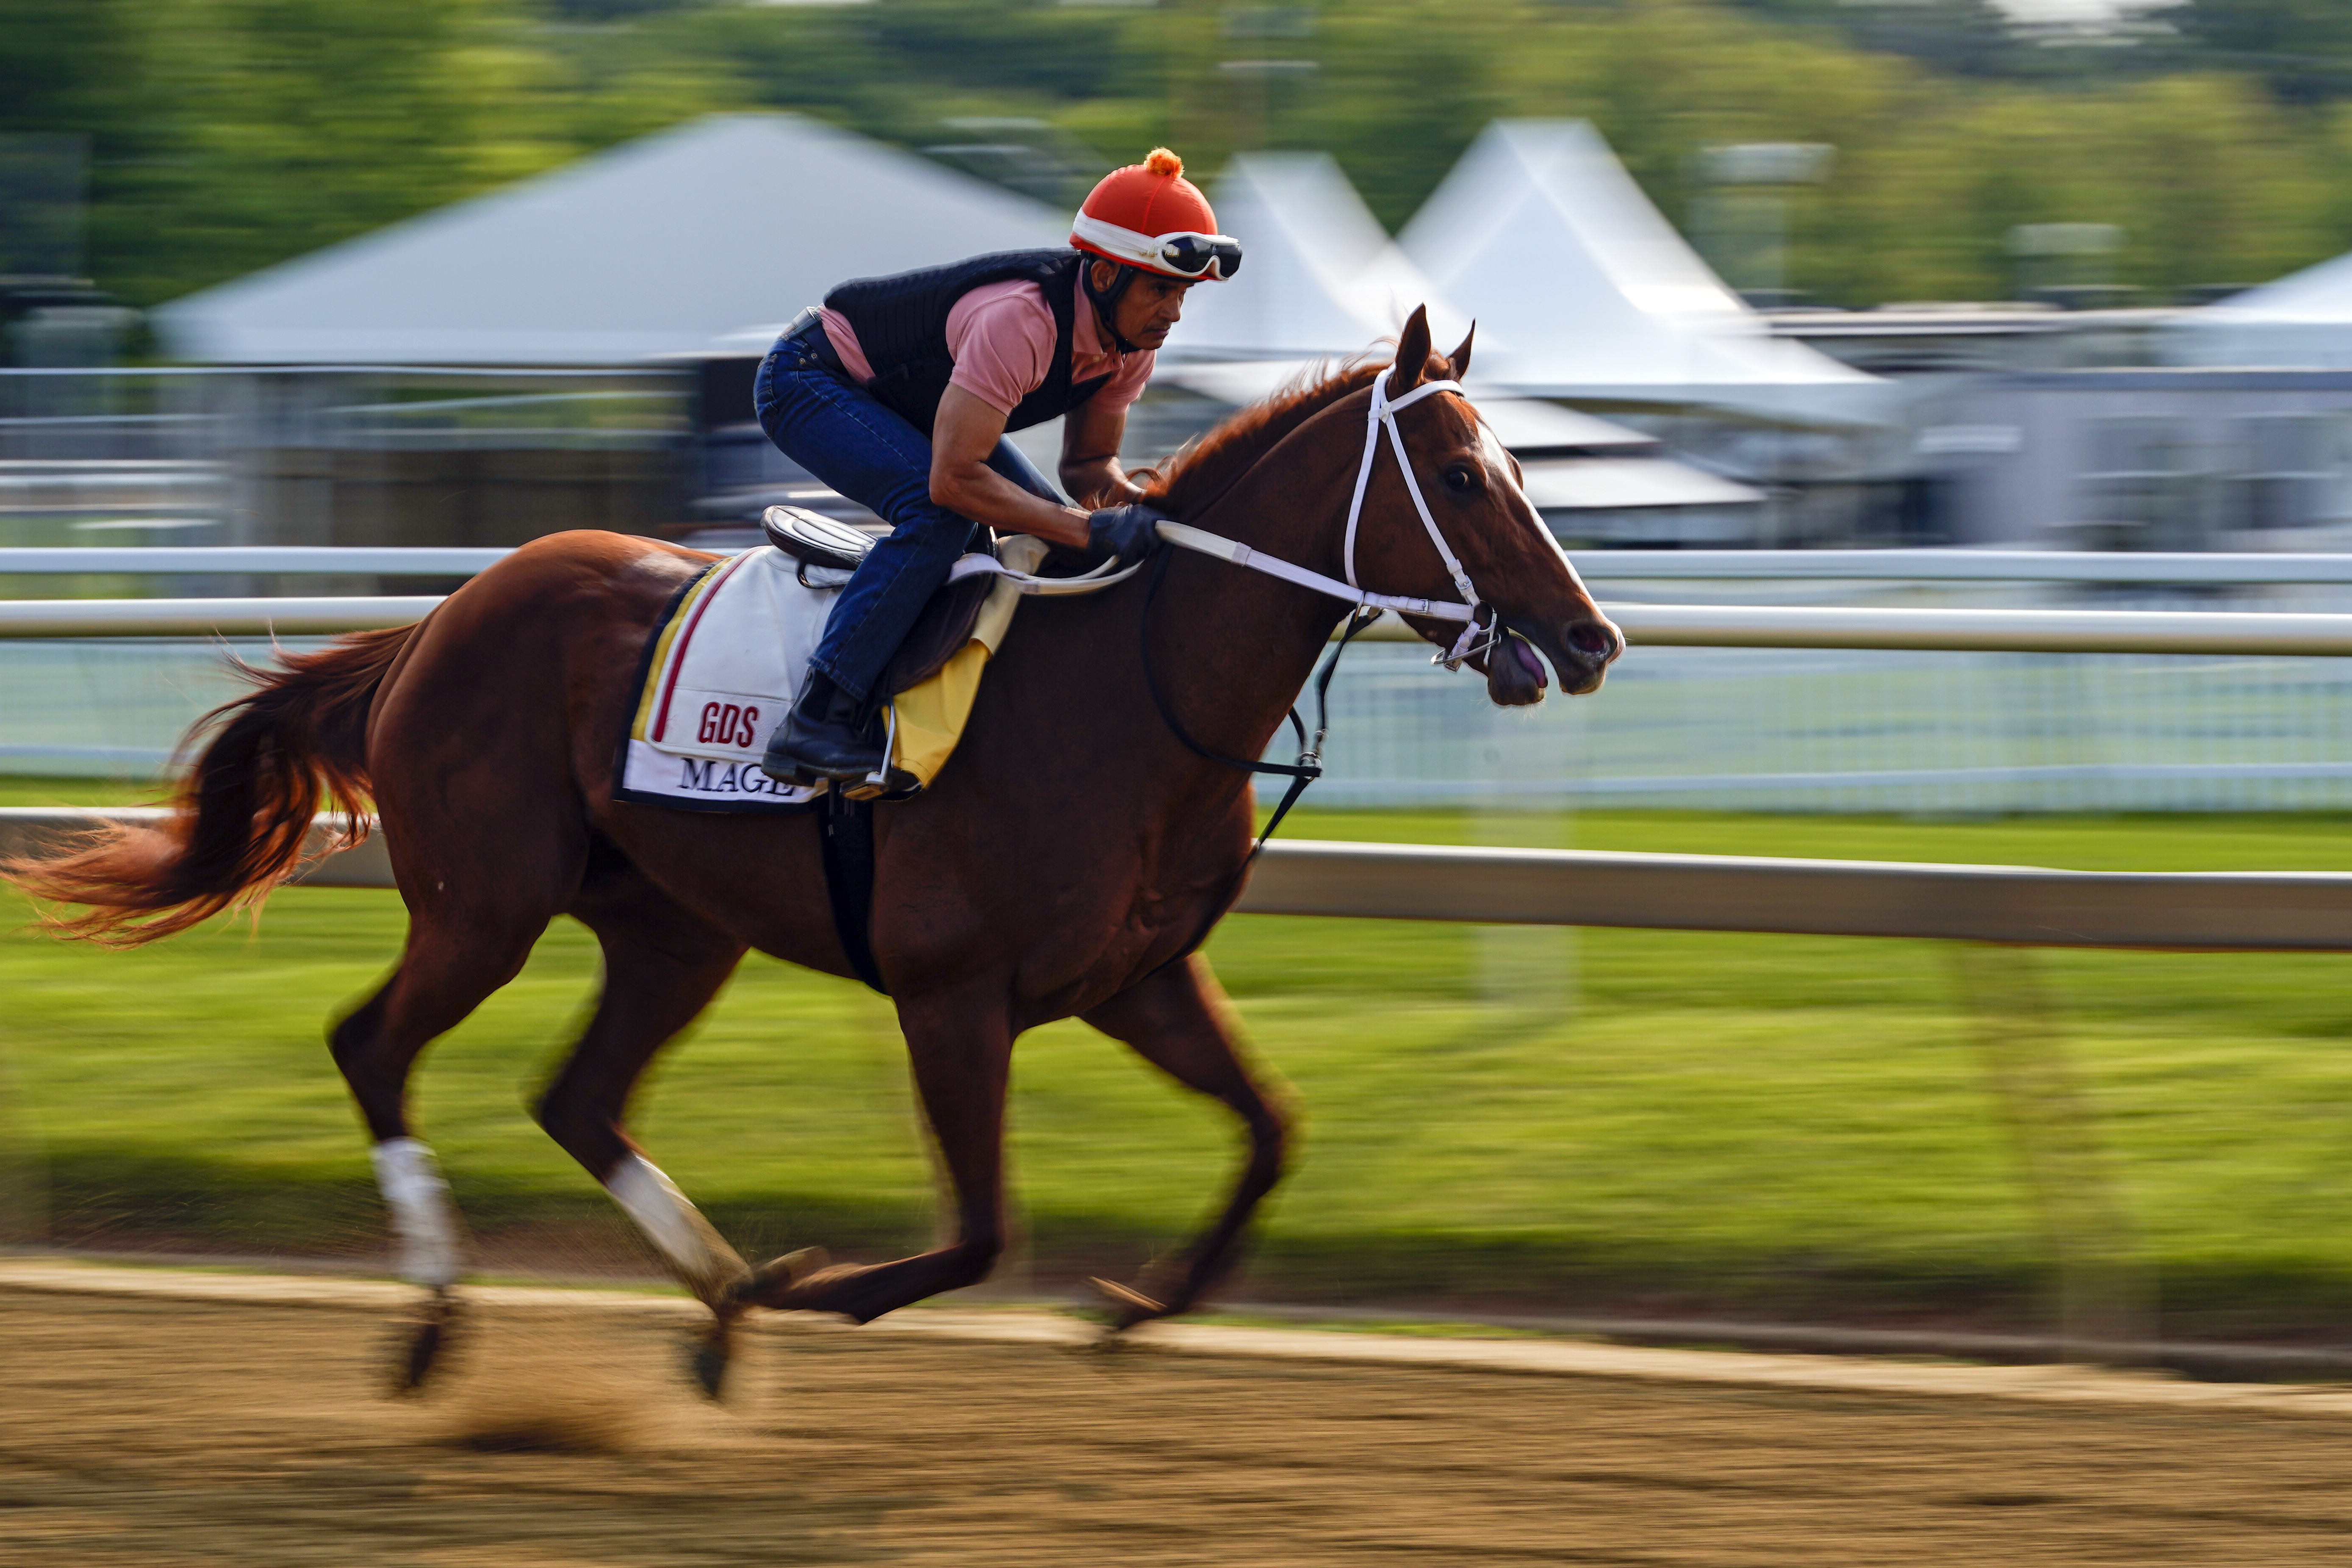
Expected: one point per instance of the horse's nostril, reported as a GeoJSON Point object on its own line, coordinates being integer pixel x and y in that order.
{"type": "Point", "coordinates": [1592, 639]}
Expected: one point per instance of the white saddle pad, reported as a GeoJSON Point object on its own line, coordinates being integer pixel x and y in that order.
{"type": "Point", "coordinates": [724, 666]}
{"type": "Point", "coordinates": [723, 672]}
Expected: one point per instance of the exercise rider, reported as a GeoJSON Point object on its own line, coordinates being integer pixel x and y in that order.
{"type": "Point", "coordinates": [898, 391]}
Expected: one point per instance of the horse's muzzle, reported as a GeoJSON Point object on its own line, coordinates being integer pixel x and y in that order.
{"type": "Point", "coordinates": [1581, 650]}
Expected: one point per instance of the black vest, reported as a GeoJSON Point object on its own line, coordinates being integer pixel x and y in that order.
{"type": "Point", "coordinates": [901, 322]}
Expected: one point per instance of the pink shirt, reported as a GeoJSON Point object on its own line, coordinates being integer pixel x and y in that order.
{"type": "Point", "coordinates": [1001, 336]}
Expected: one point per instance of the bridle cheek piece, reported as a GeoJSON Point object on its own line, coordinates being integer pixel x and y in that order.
{"type": "Point", "coordinates": [1383, 413]}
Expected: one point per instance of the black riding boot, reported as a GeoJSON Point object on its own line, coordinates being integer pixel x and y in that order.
{"type": "Point", "coordinates": [827, 735]}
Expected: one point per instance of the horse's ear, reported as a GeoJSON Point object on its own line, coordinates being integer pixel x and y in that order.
{"type": "Point", "coordinates": [1459, 357]}
{"type": "Point", "coordinates": [1412, 354]}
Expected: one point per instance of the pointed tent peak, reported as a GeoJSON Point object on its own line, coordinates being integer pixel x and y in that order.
{"type": "Point", "coordinates": [658, 246]}
{"type": "Point", "coordinates": [2302, 321]}
{"type": "Point", "coordinates": [1563, 175]}
{"type": "Point", "coordinates": [1308, 194]}
{"type": "Point", "coordinates": [1540, 232]}
{"type": "Point", "coordinates": [2322, 291]}
{"type": "Point", "coordinates": [1321, 275]}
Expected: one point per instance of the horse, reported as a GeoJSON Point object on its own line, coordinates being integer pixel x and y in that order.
{"type": "Point", "coordinates": [1093, 825]}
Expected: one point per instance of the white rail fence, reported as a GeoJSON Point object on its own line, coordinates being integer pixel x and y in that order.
{"type": "Point", "coordinates": [2174, 568]}
{"type": "Point", "coordinates": [1875, 706]}
{"type": "Point", "coordinates": [2279, 912]}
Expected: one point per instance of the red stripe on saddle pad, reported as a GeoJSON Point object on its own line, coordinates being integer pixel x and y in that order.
{"type": "Point", "coordinates": [677, 653]}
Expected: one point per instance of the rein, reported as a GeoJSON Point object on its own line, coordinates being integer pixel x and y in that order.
{"type": "Point", "coordinates": [1382, 412]}
{"type": "Point", "coordinates": [1309, 766]}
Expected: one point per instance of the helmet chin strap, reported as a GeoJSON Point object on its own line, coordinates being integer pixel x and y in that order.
{"type": "Point", "coordinates": [1106, 300]}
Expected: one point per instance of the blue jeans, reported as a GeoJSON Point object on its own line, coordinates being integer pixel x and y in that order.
{"type": "Point", "coordinates": [842, 434]}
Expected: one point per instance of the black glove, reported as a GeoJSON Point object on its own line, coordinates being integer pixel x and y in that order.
{"type": "Point", "coordinates": [1123, 534]}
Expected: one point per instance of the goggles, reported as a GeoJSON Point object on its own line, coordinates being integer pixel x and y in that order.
{"type": "Point", "coordinates": [1186, 255]}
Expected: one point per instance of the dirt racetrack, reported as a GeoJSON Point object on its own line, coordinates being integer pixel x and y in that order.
{"type": "Point", "coordinates": [162, 1432]}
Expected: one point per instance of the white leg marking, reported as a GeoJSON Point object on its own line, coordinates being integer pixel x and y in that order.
{"type": "Point", "coordinates": [673, 1224]}
{"type": "Point", "coordinates": [422, 1215]}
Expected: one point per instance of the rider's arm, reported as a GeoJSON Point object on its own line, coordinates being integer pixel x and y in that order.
{"type": "Point", "coordinates": [964, 437]}
{"type": "Point", "coordinates": [1090, 436]}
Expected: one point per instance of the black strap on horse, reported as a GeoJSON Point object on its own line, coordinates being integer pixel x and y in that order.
{"type": "Point", "coordinates": [846, 831]}
{"type": "Point", "coordinates": [1302, 773]}
{"type": "Point", "coordinates": [846, 826]}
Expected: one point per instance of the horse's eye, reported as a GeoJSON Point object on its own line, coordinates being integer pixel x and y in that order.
{"type": "Point", "coordinates": [1459, 478]}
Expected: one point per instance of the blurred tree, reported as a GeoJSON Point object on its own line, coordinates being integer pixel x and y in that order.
{"type": "Point", "coordinates": [1969, 37]}
{"type": "Point", "coordinates": [2303, 48]}
{"type": "Point", "coordinates": [1399, 99]}
{"type": "Point", "coordinates": [309, 121]}
{"type": "Point", "coordinates": [229, 134]}
{"type": "Point", "coordinates": [70, 66]}
{"type": "Point", "coordinates": [82, 68]}
{"type": "Point", "coordinates": [1000, 46]}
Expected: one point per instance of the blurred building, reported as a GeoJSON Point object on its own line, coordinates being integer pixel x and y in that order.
{"type": "Point", "coordinates": [2225, 427]}
{"type": "Point", "coordinates": [50, 316]}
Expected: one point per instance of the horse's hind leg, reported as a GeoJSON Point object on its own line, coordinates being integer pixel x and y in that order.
{"type": "Point", "coordinates": [1177, 1021]}
{"type": "Point", "coordinates": [663, 964]}
{"type": "Point", "coordinates": [448, 969]}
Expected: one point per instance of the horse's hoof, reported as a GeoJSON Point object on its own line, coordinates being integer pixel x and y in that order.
{"type": "Point", "coordinates": [707, 1358]}
{"type": "Point", "coordinates": [801, 1263]}
{"type": "Point", "coordinates": [1128, 1306]}
{"type": "Point", "coordinates": [772, 1283]}
{"type": "Point", "coordinates": [427, 1338]}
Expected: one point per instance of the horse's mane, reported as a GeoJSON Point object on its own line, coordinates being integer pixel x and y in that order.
{"type": "Point", "coordinates": [1201, 470]}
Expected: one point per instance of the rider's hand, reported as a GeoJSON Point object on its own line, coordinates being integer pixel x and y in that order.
{"type": "Point", "coordinates": [1123, 534]}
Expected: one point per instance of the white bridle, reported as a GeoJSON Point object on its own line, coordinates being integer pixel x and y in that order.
{"type": "Point", "coordinates": [1382, 413]}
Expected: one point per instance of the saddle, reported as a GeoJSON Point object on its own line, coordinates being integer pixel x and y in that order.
{"type": "Point", "coordinates": [829, 552]}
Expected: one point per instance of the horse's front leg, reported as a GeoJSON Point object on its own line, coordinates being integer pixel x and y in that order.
{"type": "Point", "coordinates": [1179, 1021]}
{"type": "Point", "coordinates": [960, 1046]}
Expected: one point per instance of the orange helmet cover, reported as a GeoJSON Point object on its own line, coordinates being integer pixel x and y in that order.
{"type": "Point", "coordinates": [1149, 199]}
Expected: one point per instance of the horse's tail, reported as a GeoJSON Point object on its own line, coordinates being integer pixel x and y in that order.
{"type": "Point", "coordinates": [240, 819]}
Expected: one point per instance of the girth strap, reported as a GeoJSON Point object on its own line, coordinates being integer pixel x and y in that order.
{"type": "Point", "coordinates": [846, 833]}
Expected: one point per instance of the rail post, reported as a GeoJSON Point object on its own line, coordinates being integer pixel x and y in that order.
{"type": "Point", "coordinates": [2104, 1296]}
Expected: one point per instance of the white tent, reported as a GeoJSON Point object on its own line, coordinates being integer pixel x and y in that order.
{"type": "Point", "coordinates": [1540, 233]}
{"type": "Point", "coordinates": [1319, 276]}
{"type": "Point", "coordinates": [2302, 321]}
{"type": "Point", "coordinates": [655, 247]}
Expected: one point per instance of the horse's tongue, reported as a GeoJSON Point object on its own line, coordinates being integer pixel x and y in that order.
{"type": "Point", "coordinates": [1527, 659]}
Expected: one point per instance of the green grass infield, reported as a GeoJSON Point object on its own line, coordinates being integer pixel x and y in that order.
{"type": "Point", "coordinates": [1534, 1118]}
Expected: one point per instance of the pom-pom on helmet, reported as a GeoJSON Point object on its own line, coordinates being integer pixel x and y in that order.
{"type": "Point", "coordinates": [1151, 216]}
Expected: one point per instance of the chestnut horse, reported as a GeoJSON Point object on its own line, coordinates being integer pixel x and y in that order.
{"type": "Point", "coordinates": [1064, 864]}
